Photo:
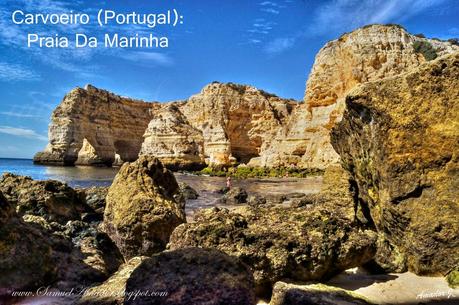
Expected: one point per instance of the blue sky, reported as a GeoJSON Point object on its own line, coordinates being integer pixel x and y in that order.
{"type": "Point", "coordinates": [268, 44]}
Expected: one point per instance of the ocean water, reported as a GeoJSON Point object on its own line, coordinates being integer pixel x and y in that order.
{"type": "Point", "coordinates": [207, 187]}
{"type": "Point", "coordinates": [79, 176]}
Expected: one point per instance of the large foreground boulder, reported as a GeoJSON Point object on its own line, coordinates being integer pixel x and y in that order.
{"type": "Point", "coordinates": [143, 207]}
{"type": "Point", "coordinates": [192, 276]}
{"type": "Point", "coordinates": [399, 139]}
{"type": "Point", "coordinates": [310, 242]}
{"type": "Point", "coordinates": [186, 276]}
{"type": "Point", "coordinates": [113, 290]}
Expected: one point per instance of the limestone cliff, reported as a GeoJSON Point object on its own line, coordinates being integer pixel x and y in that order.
{"type": "Point", "coordinates": [222, 124]}
{"type": "Point", "coordinates": [92, 126]}
{"type": "Point", "coordinates": [399, 139]}
{"type": "Point", "coordinates": [228, 123]}
{"type": "Point", "coordinates": [366, 54]}
{"type": "Point", "coordinates": [171, 138]}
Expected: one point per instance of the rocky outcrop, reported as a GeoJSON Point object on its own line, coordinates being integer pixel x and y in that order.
{"type": "Point", "coordinates": [91, 126]}
{"type": "Point", "coordinates": [224, 124]}
{"type": "Point", "coordinates": [186, 276]}
{"type": "Point", "coordinates": [172, 139]}
{"type": "Point", "coordinates": [366, 54]}
{"type": "Point", "coordinates": [53, 200]}
{"type": "Point", "coordinates": [143, 206]}
{"type": "Point", "coordinates": [235, 120]}
{"type": "Point", "coordinates": [112, 291]}
{"type": "Point", "coordinates": [290, 294]}
{"type": "Point", "coordinates": [303, 243]}
{"type": "Point", "coordinates": [42, 231]}
{"type": "Point", "coordinates": [192, 276]}
{"type": "Point", "coordinates": [25, 246]}
{"type": "Point", "coordinates": [399, 139]}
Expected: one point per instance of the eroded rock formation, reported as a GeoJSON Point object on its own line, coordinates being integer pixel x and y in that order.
{"type": "Point", "coordinates": [235, 120]}
{"type": "Point", "coordinates": [399, 138]}
{"type": "Point", "coordinates": [92, 126]}
{"type": "Point", "coordinates": [366, 54]}
{"type": "Point", "coordinates": [227, 123]}
{"type": "Point", "coordinates": [143, 206]}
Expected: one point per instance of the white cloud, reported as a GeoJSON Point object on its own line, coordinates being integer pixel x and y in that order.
{"type": "Point", "coordinates": [346, 15]}
{"type": "Point", "coordinates": [453, 31]}
{"type": "Point", "coordinates": [255, 41]}
{"type": "Point", "coordinates": [152, 58]}
{"type": "Point", "coordinates": [68, 59]}
{"type": "Point", "coordinates": [23, 133]}
{"type": "Point", "coordinates": [338, 16]}
{"type": "Point", "coordinates": [14, 72]}
{"type": "Point", "coordinates": [18, 115]}
{"type": "Point", "coordinates": [279, 45]}
{"type": "Point", "coordinates": [270, 10]}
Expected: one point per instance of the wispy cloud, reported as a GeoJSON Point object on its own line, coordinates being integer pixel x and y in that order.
{"type": "Point", "coordinates": [453, 31]}
{"type": "Point", "coordinates": [345, 15]}
{"type": "Point", "coordinates": [279, 45]}
{"type": "Point", "coordinates": [270, 10]}
{"type": "Point", "coordinates": [149, 58]}
{"type": "Point", "coordinates": [337, 16]}
{"type": "Point", "coordinates": [18, 115]}
{"type": "Point", "coordinates": [68, 59]}
{"type": "Point", "coordinates": [15, 72]}
{"type": "Point", "coordinates": [23, 133]}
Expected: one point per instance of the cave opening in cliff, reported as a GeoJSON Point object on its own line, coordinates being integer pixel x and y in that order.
{"type": "Point", "coordinates": [126, 150]}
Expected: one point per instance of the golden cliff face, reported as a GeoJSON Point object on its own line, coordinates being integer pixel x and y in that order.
{"type": "Point", "coordinates": [95, 127]}
{"type": "Point", "coordinates": [223, 124]}
{"type": "Point", "coordinates": [366, 54]}
{"type": "Point", "coordinates": [229, 123]}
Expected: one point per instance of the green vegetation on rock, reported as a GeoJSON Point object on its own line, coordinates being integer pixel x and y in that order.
{"type": "Point", "coordinates": [258, 172]}
{"type": "Point", "coordinates": [453, 278]}
{"type": "Point", "coordinates": [426, 49]}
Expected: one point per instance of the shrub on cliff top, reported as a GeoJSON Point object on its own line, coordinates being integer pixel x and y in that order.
{"type": "Point", "coordinates": [426, 49]}
{"type": "Point", "coordinates": [454, 41]}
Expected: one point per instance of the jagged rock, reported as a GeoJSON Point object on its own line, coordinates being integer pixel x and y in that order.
{"type": "Point", "coordinates": [193, 276]}
{"type": "Point", "coordinates": [187, 191]}
{"type": "Point", "coordinates": [399, 140]}
{"type": "Point", "coordinates": [25, 253]}
{"type": "Point", "coordinates": [366, 54]}
{"type": "Point", "coordinates": [51, 199]}
{"type": "Point", "coordinates": [186, 276]}
{"type": "Point", "coordinates": [306, 243]}
{"type": "Point", "coordinates": [235, 195]}
{"type": "Point", "coordinates": [172, 139]}
{"type": "Point", "coordinates": [317, 294]}
{"type": "Point", "coordinates": [111, 292]}
{"type": "Point", "coordinates": [256, 200]}
{"type": "Point", "coordinates": [144, 205]}
{"type": "Point", "coordinates": [95, 198]}
{"type": "Point", "coordinates": [48, 239]}
{"type": "Point", "coordinates": [92, 126]}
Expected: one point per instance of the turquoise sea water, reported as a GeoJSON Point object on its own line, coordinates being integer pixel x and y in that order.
{"type": "Point", "coordinates": [75, 176]}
